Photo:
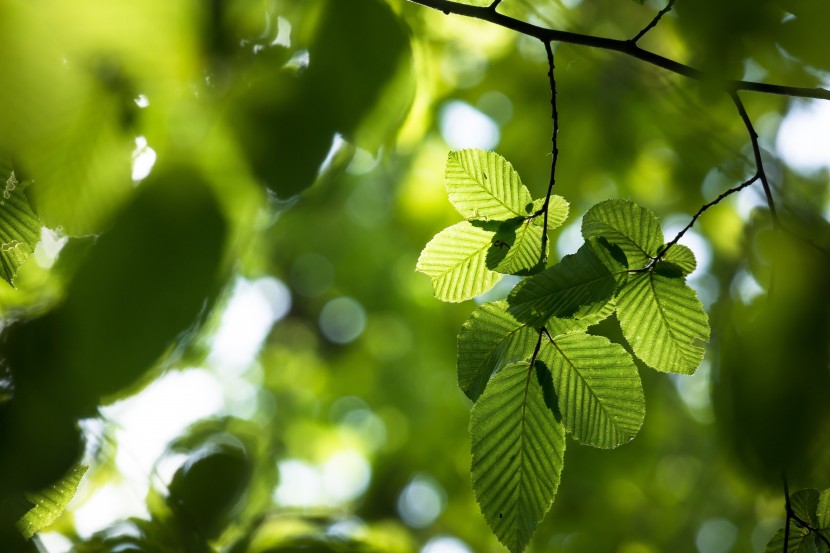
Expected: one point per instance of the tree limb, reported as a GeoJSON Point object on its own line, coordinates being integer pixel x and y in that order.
{"type": "Point", "coordinates": [626, 47]}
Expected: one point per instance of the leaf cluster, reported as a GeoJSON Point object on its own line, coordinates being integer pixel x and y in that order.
{"type": "Point", "coordinates": [529, 362]}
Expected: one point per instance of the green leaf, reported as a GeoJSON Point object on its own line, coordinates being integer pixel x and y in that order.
{"type": "Point", "coordinates": [804, 504]}
{"type": "Point", "coordinates": [456, 260]}
{"type": "Point", "coordinates": [578, 286]}
{"type": "Point", "coordinates": [598, 389]}
{"type": "Point", "coordinates": [523, 245]}
{"type": "Point", "coordinates": [633, 228]}
{"type": "Point", "coordinates": [681, 258]}
{"type": "Point", "coordinates": [19, 226]}
{"type": "Point", "coordinates": [491, 338]}
{"type": "Point", "coordinates": [558, 209]}
{"type": "Point", "coordinates": [484, 186]}
{"type": "Point", "coordinates": [50, 503]}
{"type": "Point", "coordinates": [518, 449]}
{"type": "Point", "coordinates": [799, 541]}
{"type": "Point", "coordinates": [823, 510]}
{"type": "Point", "coordinates": [662, 319]}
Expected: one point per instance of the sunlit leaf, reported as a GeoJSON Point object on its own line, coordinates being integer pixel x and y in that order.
{"type": "Point", "coordinates": [598, 389]}
{"type": "Point", "coordinates": [633, 228]}
{"type": "Point", "coordinates": [50, 503]}
{"type": "Point", "coordinates": [456, 260]}
{"type": "Point", "coordinates": [489, 339]}
{"type": "Point", "coordinates": [518, 448]}
{"type": "Point", "coordinates": [681, 257]}
{"type": "Point", "coordinates": [522, 246]}
{"type": "Point", "coordinates": [579, 285]}
{"type": "Point", "coordinates": [663, 321]}
{"type": "Point", "coordinates": [558, 209]}
{"type": "Point", "coordinates": [19, 225]}
{"type": "Point", "coordinates": [484, 186]}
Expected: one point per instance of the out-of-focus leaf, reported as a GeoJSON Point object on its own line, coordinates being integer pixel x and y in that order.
{"type": "Point", "coordinates": [518, 452]}
{"type": "Point", "coordinates": [577, 286]}
{"type": "Point", "coordinates": [484, 186]}
{"type": "Point", "coordinates": [356, 51]}
{"type": "Point", "coordinates": [456, 261]}
{"type": "Point", "coordinates": [633, 228]}
{"type": "Point", "coordinates": [50, 503]}
{"type": "Point", "coordinates": [19, 225]}
{"type": "Point", "coordinates": [491, 338]}
{"type": "Point", "coordinates": [207, 486]}
{"type": "Point", "coordinates": [598, 389]}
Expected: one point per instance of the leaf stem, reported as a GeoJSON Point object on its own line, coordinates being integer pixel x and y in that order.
{"type": "Point", "coordinates": [626, 47]}
{"type": "Point", "coordinates": [654, 21]}
{"type": "Point", "coordinates": [789, 510]}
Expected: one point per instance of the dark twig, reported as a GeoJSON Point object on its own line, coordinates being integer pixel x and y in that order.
{"type": "Point", "coordinates": [791, 515]}
{"type": "Point", "coordinates": [654, 21]}
{"type": "Point", "coordinates": [494, 5]}
{"type": "Point", "coordinates": [626, 47]}
{"type": "Point", "coordinates": [554, 150]}
{"type": "Point", "coordinates": [700, 211]}
{"type": "Point", "coordinates": [756, 150]}
{"type": "Point", "coordinates": [538, 347]}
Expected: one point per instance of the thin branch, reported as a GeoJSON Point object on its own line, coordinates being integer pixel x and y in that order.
{"type": "Point", "coordinates": [538, 347]}
{"type": "Point", "coordinates": [700, 211]}
{"type": "Point", "coordinates": [654, 21]}
{"type": "Point", "coordinates": [626, 47]}
{"type": "Point", "coordinates": [756, 150]}
{"type": "Point", "coordinates": [554, 149]}
{"type": "Point", "coordinates": [789, 510]}
{"type": "Point", "coordinates": [494, 5]}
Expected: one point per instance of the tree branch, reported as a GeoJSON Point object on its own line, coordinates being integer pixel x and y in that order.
{"type": "Point", "coordinates": [626, 47]}
{"type": "Point", "coordinates": [756, 150]}
{"type": "Point", "coordinates": [654, 21]}
{"type": "Point", "coordinates": [695, 217]}
{"type": "Point", "coordinates": [554, 149]}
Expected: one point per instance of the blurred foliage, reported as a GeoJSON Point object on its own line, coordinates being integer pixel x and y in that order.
{"type": "Point", "coordinates": [243, 105]}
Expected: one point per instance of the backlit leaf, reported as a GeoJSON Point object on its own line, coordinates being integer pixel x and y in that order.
{"type": "Point", "coordinates": [681, 257]}
{"type": "Point", "coordinates": [800, 541]}
{"type": "Point", "coordinates": [50, 503]}
{"type": "Point", "coordinates": [579, 285]}
{"type": "Point", "coordinates": [456, 260]}
{"type": "Point", "coordinates": [663, 321]}
{"type": "Point", "coordinates": [558, 209]}
{"type": "Point", "coordinates": [484, 186]}
{"type": "Point", "coordinates": [523, 245]}
{"type": "Point", "coordinates": [518, 448]}
{"type": "Point", "coordinates": [489, 339]}
{"type": "Point", "coordinates": [598, 389]}
{"type": "Point", "coordinates": [633, 228]}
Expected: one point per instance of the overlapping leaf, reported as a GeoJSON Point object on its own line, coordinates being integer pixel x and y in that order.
{"type": "Point", "coordinates": [681, 257]}
{"type": "Point", "coordinates": [484, 186]}
{"type": "Point", "coordinates": [19, 225]}
{"type": "Point", "coordinates": [598, 389]}
{"type": "Point", "coordinates": [558, 209]}
{"type": "Point", "coordinates": [800, 541]}
{"type": "Point", "coordinates": [633, 228]}
{"type": "Point", "coordinates": [50, 503]}
{"type": "Point", "coordinates": [663, 321]}
{"type": "Point", "coordinates": [580, 285]}
{"type": "Point", "coordinates": [489, 339]}
{"type": "Point", "coordinates": [456, 260]}
{"type": "Point", "coordinates": [518, 247]}
{"type": "Point", "coordinates": [518, 450]}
